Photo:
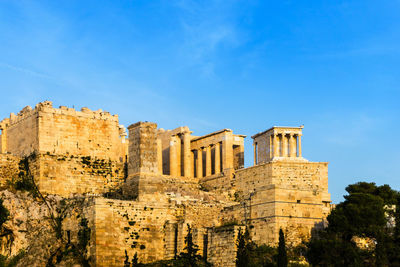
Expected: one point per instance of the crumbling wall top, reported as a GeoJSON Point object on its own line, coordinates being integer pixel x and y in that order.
{"type": "Point", "coordinates": [47, 106]}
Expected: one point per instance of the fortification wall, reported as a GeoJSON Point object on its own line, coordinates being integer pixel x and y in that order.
{"type": "Point", "coordinates": [8, 168]}
{"type": "Point", "coordinates": [282, 194]}
{"type": "Point", "coordinates": [86, 133]}
{"type": "Point", "coordinates": [132, 227]}
{"type": "Point", "coordinates": [291, 175]}
{"type": "Point", "coordinates": [221, 249]}
{"type": "Point", "coordinates": [155, 230]}
{"type": "Point", "coordinates": [64, 131]}
{"type": "Point", "coordinates": [22, 133]}
{"type": "Point", "coordinates": [65, 175]}
{"type": "Point", "coordinates": [222, 181]}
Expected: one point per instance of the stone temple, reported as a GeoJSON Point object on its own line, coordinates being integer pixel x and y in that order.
{"type": "Point", "coordinates": [147, 185]}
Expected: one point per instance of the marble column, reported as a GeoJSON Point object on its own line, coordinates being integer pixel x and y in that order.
{"type": "Point", "coordinates": [199, 163]}
{"type": "Point", "coordinates": [173, 164]}
{"type": "Point", "coordinates": [227, 151]}
{"type": "Point", "coordinates": [255, 153]}
{"type": "Point", "coordinates": [192, 163]}
{"type": "Point", "coordinates": [179, 166]}
{"type": "Point", "coordinates": [292, 146]}
{"type": "Point", "coordinates": [217, 158]}
{"type": "Point", "coordinates": [159, 156]}
{"type": "Point", "coordinates": [299, 144]}
{"type": "Point", "coordinates": [276, 145]}
{"type": "Point", "coordinates": [187, 167]}
{"type": "Point", "coordinates": [284, 145]}
{"type": "Point", "coordinates": [208, 160]}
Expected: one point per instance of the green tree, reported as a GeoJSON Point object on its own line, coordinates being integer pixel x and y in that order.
{"type": "Point", "coordinates": [190, 257]}
{"type": "Point", "coordinates": [366, 213]}
{"type": "Point", "coordinates": [242, 253]}
{"type": "Point", "coordinates": [249, 254]}
{"type": "Point", "coordinates": [282, 256]}
{"type": "Point", "coordinates": [126, 261]}
{"type": "Point", "coordinates": [135, 261]}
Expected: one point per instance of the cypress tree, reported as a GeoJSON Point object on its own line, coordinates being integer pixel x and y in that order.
{"type": "Point", "coordinates": [135, 262]}
{"type": "Point", "coordinates": [241, 253]}
{"type": "Point", "coordinates": [282, 256]}
{"type": "Point", "coordinates": [190, 257]}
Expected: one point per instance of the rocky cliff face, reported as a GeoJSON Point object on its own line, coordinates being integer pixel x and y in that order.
{"type": "Point", "coordinates": [50, 231]}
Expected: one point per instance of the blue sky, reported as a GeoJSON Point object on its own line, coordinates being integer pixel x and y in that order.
{"type": "Point", "coordinates": [246, 65]}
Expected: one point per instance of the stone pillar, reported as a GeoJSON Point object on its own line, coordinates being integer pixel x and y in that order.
{"type": "Point", "coordinates": [159, 156]}
{"type": "Point", "coordinates": [241, 157]}
{"type": "Point", "coordinates": [299, 144]}
{"type": "Point", "coordinates": [208, 160]}
{"type": "Point", "coordinates": [142, 148]}
{"type": "Point", "coordinates": [255, 153]}
{"type": "Point", "coordinates": [143, 159]}
{"type": "Point", "coordinates": [173, 164]}
{"type": "Point", "coordinates": [276, 145]}
{"type": "Point", "coordinates": [284, 145]}
{"type": "Point", "coordinates": [199, 163]}
{"type": "Point", "coordinates": [217, 158]}
{"type": "Point", "coordinates": [187, 167]}
{"type": "Point", "coordinates": [292, 148]}
{"type": "Point", "coordinates": [227, 151]}
{"type": "Point", "coordinates": [192, 163]}
{"type": "Point", "coordinates": [178, 156]}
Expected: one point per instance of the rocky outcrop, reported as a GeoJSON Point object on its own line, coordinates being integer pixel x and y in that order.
{"type": "Point", "coordinates": [46, 230]}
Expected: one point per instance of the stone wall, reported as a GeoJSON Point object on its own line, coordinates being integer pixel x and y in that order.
{"type": "Point", "coordinates": [8, 168]}
{"type": "Point", "coordinates": [66, 175]}
{"type": "Point", "coordinates": [143, 148]}
{"type": "Point", "coordinates": [22, 134]}
{"type": "Point", "coordinates": [86, 132]}
{"type": "Point", "coordinates": [221, 249]}
{"type": "Point", "coordinates": [132, 227]}
{"type": "Point", "coordinates": [64, 131]}
{"type": "Point", "coordinates": [288, 195]}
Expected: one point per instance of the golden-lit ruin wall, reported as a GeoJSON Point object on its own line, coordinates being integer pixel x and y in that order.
{"type": "Point", "coordinates": [153, 230]}
{"type": "Point", "coordinates": [132, 227]}
{"type": "Point", "coordinates": [174, 178]}
{"type": "Point", "coordinates": [63, 130]}
{"type": "Point", "coordinates": [87, 133]}
{"type": "Point", "coordinates": [65, 175]}
{"type": "Point", "coordinates": [289, 195]}
{"type": "Point", "coordinates": [21, 133]}
{"type": "Point", "coordinates": [222, 245]}
{"type": "Point", "coordinates": [74, 151]}
{"type": "Point", "coordinates": [8, 168]}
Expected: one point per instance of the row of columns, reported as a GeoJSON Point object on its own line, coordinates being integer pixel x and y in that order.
{"type": "Point", "coordinates": [175, 156]}
{"type": "Point", "coordinates": [293, 149]}
{"type": "Point", "coordinates": [217, 160]}
{"type": "Point", "coordinates": [182, 159]}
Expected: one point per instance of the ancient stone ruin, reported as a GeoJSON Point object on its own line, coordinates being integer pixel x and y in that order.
{"type": "Point", "coordinates": [143, 188]}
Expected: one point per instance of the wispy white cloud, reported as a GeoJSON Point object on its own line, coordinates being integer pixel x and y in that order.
{"type": "Point", "coordinates": [351, 129]}
{"type": "Point", "coordinates": [26, 71]}
{"type": "Point", "coordinates": [206, 28]}
{"type": "Point", "coordinates": [372, 49]}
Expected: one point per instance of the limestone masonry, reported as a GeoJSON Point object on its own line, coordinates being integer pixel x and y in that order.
{"type": "Point", "coordinates": [143, 189]}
